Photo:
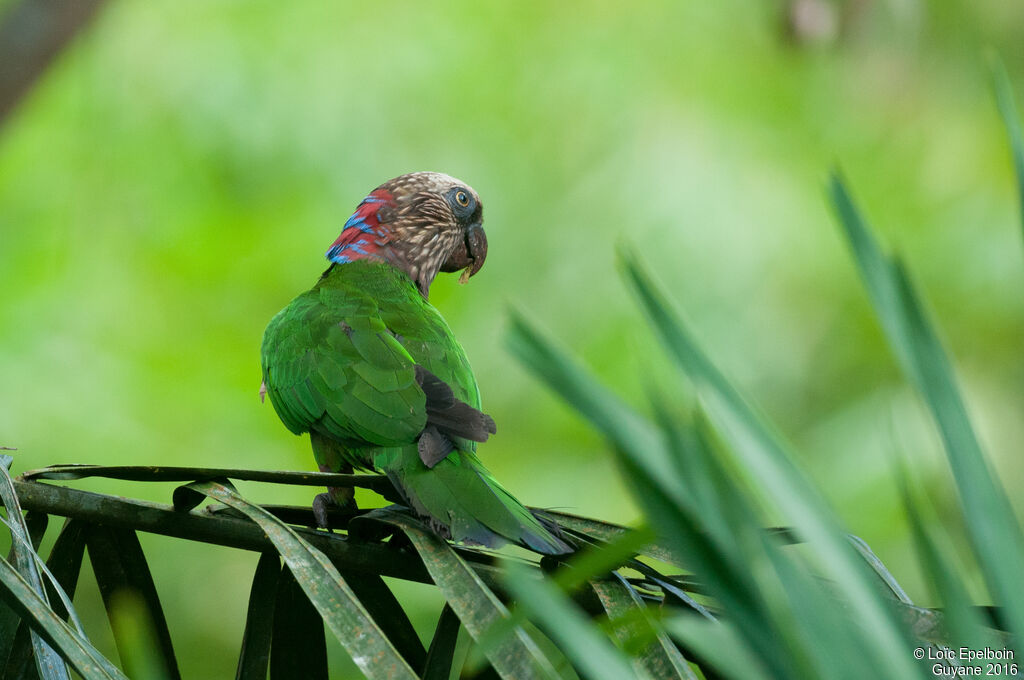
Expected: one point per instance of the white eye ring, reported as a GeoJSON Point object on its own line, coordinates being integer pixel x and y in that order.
{"type": "Point", "coordinates": [462, 198]}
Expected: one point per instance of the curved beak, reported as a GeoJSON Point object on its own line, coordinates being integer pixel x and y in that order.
{"type": "Point", "coordinates": [476, 244]}
{"type": "Point", "coordinates": [469, 254]}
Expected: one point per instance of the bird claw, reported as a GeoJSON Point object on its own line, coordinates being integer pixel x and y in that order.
{"type": "Point", "coordinates": [320, 506]}
{"type": "Point", "coordinates": [325, 503]}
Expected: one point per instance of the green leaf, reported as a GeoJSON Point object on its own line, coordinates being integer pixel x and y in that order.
{"type": "Point", "coordinates": [963, 621]}
{"type": "Point", "coordinates": [347, 619]}
{"type": "Point", "coordinates": [606, 531]}
{"type": "Point", "coordinates": [992, 524]}
{"type": "Point", "coordinates": [21, 660]}
{"type": "Point", "coordinates": [120, 566]}
{"type": "Point", "coordinates": [660, 658]}
{"type": "Point", "coordinates": [48, 662]}
{"type": "Point", "coordinates": [386, 611]}
{"type": "Point", "coordinates": [617, 550]}
{"type": "Point", "coordinates": [54, 587]}
{"type": "Point", "coordinates": [876, 272]}
{"type": "Point", "coordinates": [12, 629]}
{"type": "Point", "coordinates": [63, 566]}
{"type": "Point", "coordinates": [718, 644]}
{"type": "Point", "coordinates": [627, 430]}
{"type": "Point", "coordinates": [653, 471]}
{"type": "Point", "coordinates": [516, 655]}
{"type": "Point", "coordinates": [298, 647]}
{"type": "Point", "coordinates": [61, 571]}
{"type": "Point", "coordinates": [1011, 119]}
{"type": "Point", "coordinates": [584, 644]}
{"type": "Point", "coordinates": [259, 619]}
{"type": "Point", "coordinates": [598, 560]}
{"type": "Point", "coordinates": [82, 656]}
{"type": "Point", "coordinates": [765, 458]}
{"type": "Point", "coordinates": [717, 542]}
{"type": "Point", "coordinates": [442, 647]}
{"type": "Point", "coordinates": [143, 653]}
{"type": "Point", "coordinates": [828, 643]}
{"type": "Point", "coordinates": [675, 594]}
{"type": "Point", "coordinates": [725, 550]}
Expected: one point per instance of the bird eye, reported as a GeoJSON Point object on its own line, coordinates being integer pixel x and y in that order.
{"type": "Point", "coordinates": [462, 198]}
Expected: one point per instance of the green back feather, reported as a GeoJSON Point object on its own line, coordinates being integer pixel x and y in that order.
{"type": "Point", "coordinates": [339, 360]}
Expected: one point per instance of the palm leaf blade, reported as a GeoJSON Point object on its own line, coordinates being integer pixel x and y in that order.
{"type": "Point", "coordinates": [995, 532]}
{"type": "Point", "coordinates": [516, 655]}
{"type": "Point", "coordinates": [320, 580]}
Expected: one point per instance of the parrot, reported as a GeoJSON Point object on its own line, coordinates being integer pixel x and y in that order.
{"type": "Point", "coordinates": [370, 369]}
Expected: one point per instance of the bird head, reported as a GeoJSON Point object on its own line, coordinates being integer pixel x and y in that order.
{"type": "Point", "coordinates": [421, 223]}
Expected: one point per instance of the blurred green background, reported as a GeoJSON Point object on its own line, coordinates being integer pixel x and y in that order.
{"type": "Point", "coordinates": [176, 177]}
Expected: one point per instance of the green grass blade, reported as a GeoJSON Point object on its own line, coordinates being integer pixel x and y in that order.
{"type": "Point", "coordinates": [719, 645]}
{"type": "Point", "coordinates": [606, 531]}
{"type": "Point", "coordinates": [596, 561]}
{"type": "Point", "coordinates": [1011, 119]}
{"type": "Point", "coordinates": [618, 422]}
{"type": "Point", "coordinates": [347, 619]}
{"type": "Point", "coordinates": [517, 655]}
{"type": "Point", "coordinates": [600, 560]}
{"type": "Point", "coordinates": [617, 550]}
{"type": "Point", "coordinates": [722, 533]}
{"type": "Point", "coordinates": [876, 273]}
{"type": "Point", "coordinates": [653, 474]}
{"type": "Point", "coordinates": [82, 656]}
{"type": "Point", "coordinates": [581, 641]}
{"type": "Point", "coordinates": [962, 620]}
{"type": "Point", "coordinates": [765, 458]}
{"type": "Point", "coordinates": [993, 527]}
{"type": "Point", "coordinates": [827, 636]}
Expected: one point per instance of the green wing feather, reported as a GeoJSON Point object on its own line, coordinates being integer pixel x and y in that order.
{"type": "Point", "coordinates": [331, 365]}
{"type": "Point", "coordinates": [340, 360]}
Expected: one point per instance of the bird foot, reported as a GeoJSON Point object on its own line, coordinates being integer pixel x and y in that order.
{"type": "Point", "coordinates": [333, 500]}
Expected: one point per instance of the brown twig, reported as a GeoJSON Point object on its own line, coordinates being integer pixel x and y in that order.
{"type": "Point", "coordinates": [218, 529]}
{"type": "Point", "coordinates": [32, 33]}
